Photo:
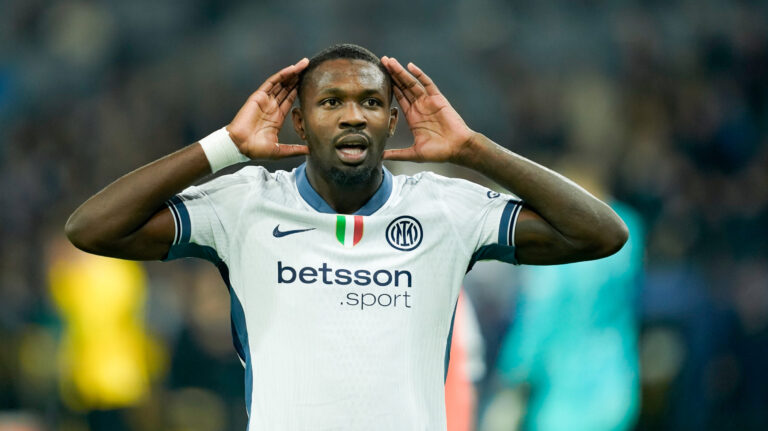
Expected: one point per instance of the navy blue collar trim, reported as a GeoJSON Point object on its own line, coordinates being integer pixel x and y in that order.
{"type": "Point", "coordinates": [314, 200]}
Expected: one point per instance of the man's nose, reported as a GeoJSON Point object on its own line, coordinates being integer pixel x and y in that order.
{"type": "Point", "coordinates": [352, 116]}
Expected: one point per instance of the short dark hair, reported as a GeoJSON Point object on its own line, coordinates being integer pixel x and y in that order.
{"type": "Point", "coordinates": [346, 51]}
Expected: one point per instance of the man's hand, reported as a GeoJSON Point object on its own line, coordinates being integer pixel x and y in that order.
{"type": "Point", "coordinates": [255, 127]}
{"type": "Point", "coordinates": [439, 133]}
{"type": "Point", "coordinates": [561, 221]}
{"type": "Point", "coordinates": [128, 219]}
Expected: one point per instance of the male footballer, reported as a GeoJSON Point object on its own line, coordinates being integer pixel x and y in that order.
{"type": "Point", "coordinates": [343, 277]}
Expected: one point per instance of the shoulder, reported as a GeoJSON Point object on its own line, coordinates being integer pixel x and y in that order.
{"type": "Point", "coordinates": [429, 178]}
{"type": "Point", "coordinates": [456, 192]}
{"type": "Point", "coordinates": [248, 177]}
{"type": "Point", "coordinates": [239, 185]}
{"type": "Point", "coordinates": [439, 183]}
{"type": "Point", "coordinates": [259, 174]}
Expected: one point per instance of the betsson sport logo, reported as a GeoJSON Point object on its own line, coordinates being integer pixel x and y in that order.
{"type": "Point", "coordinates": [404, 233]}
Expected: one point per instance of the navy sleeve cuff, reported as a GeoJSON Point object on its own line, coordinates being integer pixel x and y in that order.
{"type": "Point", "coordinates": [181, 220]}
{"type": "Point", "coordinates": [508, 222]}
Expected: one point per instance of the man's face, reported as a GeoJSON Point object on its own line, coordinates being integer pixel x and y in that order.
{"type": "Point", "coordinates": [345, 118]}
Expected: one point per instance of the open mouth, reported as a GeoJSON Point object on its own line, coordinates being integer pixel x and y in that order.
{"type": "Point", "coordinates": [352, 149]}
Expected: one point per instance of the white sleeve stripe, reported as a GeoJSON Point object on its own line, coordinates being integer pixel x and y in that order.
{"type": "Point", "coordinates": [513, 223]}
{"type": "Point", "coordinates": [176, 222]}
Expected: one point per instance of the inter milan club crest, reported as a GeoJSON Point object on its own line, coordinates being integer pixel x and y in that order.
{"type": "Point", "coordinates": [349, 229]}
{"type": "Point", "coordinates": [404, 233]}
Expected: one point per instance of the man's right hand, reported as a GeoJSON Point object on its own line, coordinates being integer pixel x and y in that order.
{"type": "Point", "coordinates": [255, 127]}
{"type": "Point", "coordinates": [129, 218]}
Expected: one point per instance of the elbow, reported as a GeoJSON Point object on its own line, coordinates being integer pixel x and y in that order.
{"type": "Point", "coordinates": [610, 239]}
{"type": "Point", "coordinates": [74, 232]}
{"type": "Point", "coordinates": [618, 239]}
{"type": "Point", "coordinates": [78, 233]}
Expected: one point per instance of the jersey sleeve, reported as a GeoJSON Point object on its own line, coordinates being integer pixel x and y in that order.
{"type": "Point", "coordinates": [206, 217]}
{"type": "Point", "coordinates": [484, 220]}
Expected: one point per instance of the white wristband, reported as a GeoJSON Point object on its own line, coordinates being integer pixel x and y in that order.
{"type": "Point", "coordinates": [221, 151]}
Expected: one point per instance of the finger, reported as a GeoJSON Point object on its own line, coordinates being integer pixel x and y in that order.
{"type": "Point", "coordinates": [281, 89]}
{"type": "Point", "coordinates": [403, 154]}
{"type": "Point", "coordinates": [274, 80]}
{"type": "Point", "coordinates": [288, 150]}
{"type": "Point", "coordinates": [385, 61]}
{"type": "Point", "coordinates": [276, 89]}
{"type": "Point", "coordinates": [283, 75]}
{"type": "Point", "coordinates": [395, 73]}
{"type": "Point", "coordinates": [426, 81]}
{"type": "Point", "coordinates": [404, 103]}
{"type": "Point", "coordinates": [301, 64]}
{"type": "Point", "coordinates": [290, 79]}
{"type": "Point", "coordinates": [391, 66]}
{"type": "Point", "coordinates": [283, 94]}
{"type": "Point", "coordinates": [410, 86]}
{"type": "Point", "coordinates": [285, 105]}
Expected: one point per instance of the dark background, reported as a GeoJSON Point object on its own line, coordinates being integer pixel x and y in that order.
{"type": "Point", "coordinates": [665, 100]}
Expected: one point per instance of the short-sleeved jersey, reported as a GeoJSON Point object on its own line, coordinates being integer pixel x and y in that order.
{"type": "Point", "coordinates": [343, 321]}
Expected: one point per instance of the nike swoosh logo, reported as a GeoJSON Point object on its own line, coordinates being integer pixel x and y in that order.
{"type": "Point", "coordinates": [277, 233]}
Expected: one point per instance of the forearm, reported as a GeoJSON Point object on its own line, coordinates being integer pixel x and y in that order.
{"type": "Point", "coordinates": [111, 216]}
{"type": "Point", "coordinates": [580, 218]}
{"type": "Point", "coordinates": [128, 218]}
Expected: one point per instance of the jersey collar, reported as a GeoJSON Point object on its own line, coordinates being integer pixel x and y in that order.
{"type": "Point", "coordinates": [314, 199]}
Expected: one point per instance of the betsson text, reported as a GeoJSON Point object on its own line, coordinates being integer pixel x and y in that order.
{"type": "Point", "coordinates": [326, 275]}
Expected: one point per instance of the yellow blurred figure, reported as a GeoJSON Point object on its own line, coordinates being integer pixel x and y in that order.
{"type": "Point", "coordinates": [105, 353]}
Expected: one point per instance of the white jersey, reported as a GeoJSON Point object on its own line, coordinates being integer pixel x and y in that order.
{"type": "Point", "coordinates": [343, 321]}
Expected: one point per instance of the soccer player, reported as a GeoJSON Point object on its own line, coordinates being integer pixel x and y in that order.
{"type": "Point", "coordinates": [343, 277]}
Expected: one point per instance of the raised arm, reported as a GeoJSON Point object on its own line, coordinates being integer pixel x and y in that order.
{"type": "Point", "coordinates": [128, 219]}
{"type": "Point", "coordinates": [561, 222]}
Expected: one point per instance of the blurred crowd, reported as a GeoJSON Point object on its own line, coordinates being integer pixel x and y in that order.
{"type": "Point", "coordinates": [663, 103]}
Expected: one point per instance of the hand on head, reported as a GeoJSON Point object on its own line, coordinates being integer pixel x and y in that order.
{"type": "Point", "coordinates": [439, 133]}
{"type": "Point", "coordinates": [255, 127]}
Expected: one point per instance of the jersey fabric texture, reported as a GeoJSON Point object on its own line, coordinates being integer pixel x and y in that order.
{"type": "Point", "coordinates": [343, 322]}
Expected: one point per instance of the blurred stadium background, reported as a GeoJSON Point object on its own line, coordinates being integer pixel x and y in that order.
{"type": "Point", "coordinates": [662, 105]}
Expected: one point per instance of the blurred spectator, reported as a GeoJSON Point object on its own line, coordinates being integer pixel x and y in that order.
{"type": "Point", "coordinates": [466, 367]}
{"type": "Point", "coordinates": [106, 358]}
{"type": "Point", "coordinates": [573, 341]}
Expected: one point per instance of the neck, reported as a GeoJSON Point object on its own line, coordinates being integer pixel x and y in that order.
{"type": "Point", "coordinates": [343, 198]}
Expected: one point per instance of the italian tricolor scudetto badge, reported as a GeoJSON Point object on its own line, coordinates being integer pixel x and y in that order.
{"type": "Point", "coordinates": [349, 229]}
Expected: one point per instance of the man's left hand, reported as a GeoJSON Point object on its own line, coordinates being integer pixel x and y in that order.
{"type": "Point", "coordinates": [439, 133]}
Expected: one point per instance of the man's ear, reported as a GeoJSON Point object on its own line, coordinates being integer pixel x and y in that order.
{"type": "Point", "coordinates": [298, 123]}
{"type": "Point", "coordinates": [392, 121]}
